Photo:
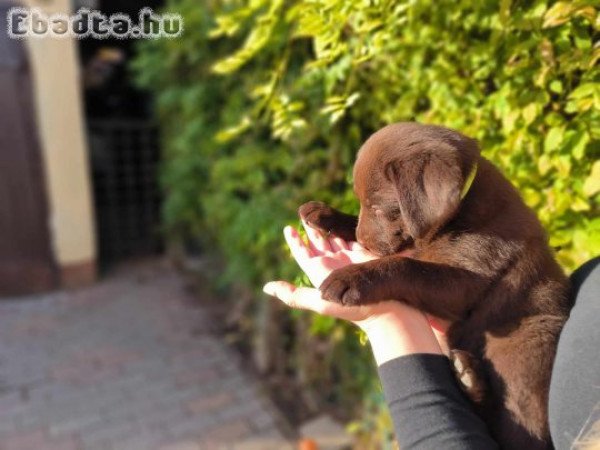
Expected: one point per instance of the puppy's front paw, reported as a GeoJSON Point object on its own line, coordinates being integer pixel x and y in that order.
{"type": "Point", "coordinates": [347, 286]}
{"type": "Point", "coordinates": [468, 373]}
{"type": "Point", "coordinates": [318, 215]}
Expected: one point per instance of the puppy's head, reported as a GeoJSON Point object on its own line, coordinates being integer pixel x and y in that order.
{"type": "Point", "coordinates": [409, 178]}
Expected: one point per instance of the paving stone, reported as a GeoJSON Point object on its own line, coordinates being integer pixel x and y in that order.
{"type": "Point", "coordinates": [195, 426]}
{"type": "Point", "coordinates": [229, 432]}
{"type": "Point", "coordinates": [262, 444]}
{"type": "Point", "coordinates": [196, 376]}
{"type": "Point", "coordinates": [121, 365]}
{"type": "Point", "coordinates": [262, 420]}
{"type": "Point", "coordinates": [145, 439]}
{"type": "Point", "coordinates": [248, 409]}
{"type": "Point", "coordinates": [210, 403]}
{"type": "Point", "coordinates": [62, 443]}
{"type": "Point", "coordinates": [109, 432]}
{"type": "Point", "coordinates": [74, 424]}
{"type": "Point", "coordinates": [183, 445]}
{"type": "Point", "coordinates": [26, 440]}
{"type": "Point", "coordinates": [154, 421]}
{"type": "Point", "coordinates": [8, 427]}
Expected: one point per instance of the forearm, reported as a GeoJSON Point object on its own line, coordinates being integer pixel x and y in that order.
{"type": "Point", "coordinates": [427, 407]}
{"type": "Point", "coordinates": [399, 331]}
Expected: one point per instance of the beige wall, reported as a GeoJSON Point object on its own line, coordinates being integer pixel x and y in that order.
{"type": "Point", "coordinates": [60, 122]}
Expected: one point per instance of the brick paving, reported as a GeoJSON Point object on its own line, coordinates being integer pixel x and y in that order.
{"type": "Point", "coordinates": [125, 364]}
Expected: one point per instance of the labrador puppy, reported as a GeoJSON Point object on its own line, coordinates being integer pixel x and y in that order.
{"type": "Point", "coordinates": [455, 240]}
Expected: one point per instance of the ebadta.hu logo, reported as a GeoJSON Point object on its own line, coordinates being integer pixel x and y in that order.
{"type": "Point", "coordinates": [87, 23]}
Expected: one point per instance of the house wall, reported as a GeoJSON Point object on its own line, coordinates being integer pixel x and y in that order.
{"type": "Point", "coordinates": [60, 121]}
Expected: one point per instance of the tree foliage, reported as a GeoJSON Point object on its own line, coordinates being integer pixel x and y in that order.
{"type": "Point", "coordinates": [265, 102]}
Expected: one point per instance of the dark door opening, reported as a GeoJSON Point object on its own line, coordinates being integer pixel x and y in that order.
{"type": "Point", "coordinates": [123, 145]}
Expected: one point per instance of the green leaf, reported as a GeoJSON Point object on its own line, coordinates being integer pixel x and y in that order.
{"type": "Point", "coordinates": [558, 14]}
{"type": "Point", "coordinates": [553, 139]}
{"type": "Point", "coordinates": [580, 204]}
{"type": "Point", "coordinates": [530, 112]}
{"type": "Point", "coordinates": [230, 133]}
{"type": "Point", "coordinates": [591, 185]}
{"type": "Point", "coordinates": [556, 86]}
{"type": "Point", "coordinates": [585, 90]}
{"type": "Point", "coordinates": [544, 164]}
{"type": "Point", "coordinates": [579, 143]}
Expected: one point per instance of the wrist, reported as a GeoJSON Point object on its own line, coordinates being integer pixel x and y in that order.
{"type": "Point", "coordinates": [399, 330]}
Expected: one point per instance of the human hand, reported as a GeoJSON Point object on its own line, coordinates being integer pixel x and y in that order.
{"type": "Point", "coordinates": [394, 328]}
{"type": "Point", "coordinates": [321, 256]}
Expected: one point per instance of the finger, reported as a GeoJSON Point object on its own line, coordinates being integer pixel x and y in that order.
{"type": "Point", "coordinates": [316, 240]}
{"type": "Point", "coordinates": [297, 297]}
{"type": "Point", "coordinates": [310, 299]}
{"type": "Point", "coordinates": [299, 250]}
{"type": "Point", "coordinates": [358, 253]}
{"type": "Point", "coordinates": [355, 246]}
{"type": "Point", "coordinates": [338, 244]}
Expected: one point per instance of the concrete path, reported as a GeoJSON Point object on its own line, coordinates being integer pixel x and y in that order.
{"type": "Point", "coordinates": [125, 364]}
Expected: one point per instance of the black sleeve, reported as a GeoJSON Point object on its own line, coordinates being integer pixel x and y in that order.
{"type": "Point", "coordinates": [428, 408]}
{"type": "Point", "coordinates": [574, 406]}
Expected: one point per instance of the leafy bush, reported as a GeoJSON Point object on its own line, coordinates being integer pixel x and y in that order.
{"type": "Point", "coordinates": [264, 103]}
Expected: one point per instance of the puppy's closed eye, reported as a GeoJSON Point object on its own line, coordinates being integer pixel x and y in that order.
{"type": "Point", "coordinates": [392, 213]}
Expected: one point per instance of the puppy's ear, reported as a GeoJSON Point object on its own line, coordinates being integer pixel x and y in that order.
{"type": "Point", "coordinates": [428, 185]}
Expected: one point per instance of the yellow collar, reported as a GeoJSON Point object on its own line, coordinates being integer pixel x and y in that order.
{"type": "Point", "coordinates": [469, 181]}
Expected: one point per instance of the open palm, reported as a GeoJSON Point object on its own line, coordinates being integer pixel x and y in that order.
{"type": "Point", "coordinates": [318, 258]}
{"type": "Point", "coordinates": [322, 255]}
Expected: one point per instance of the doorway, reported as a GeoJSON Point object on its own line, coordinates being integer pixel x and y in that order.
{"type": "Point", "coordinates": [123, 145]}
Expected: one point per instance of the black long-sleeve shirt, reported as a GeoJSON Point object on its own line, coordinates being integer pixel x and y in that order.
{"type": "Point", "coordinates": [430, 411]}
{"type": "Point", "coordinates": [428, 408]}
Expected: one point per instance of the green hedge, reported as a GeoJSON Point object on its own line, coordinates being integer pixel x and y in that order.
{"type": "Point", "coordinates": [263, 105]}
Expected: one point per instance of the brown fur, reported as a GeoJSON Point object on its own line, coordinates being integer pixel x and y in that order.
{"type": "Point", "coordinates": [482, 262]}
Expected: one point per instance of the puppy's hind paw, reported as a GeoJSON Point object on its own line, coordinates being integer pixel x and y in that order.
{"type": "Point", "coordinates": [468, 374]}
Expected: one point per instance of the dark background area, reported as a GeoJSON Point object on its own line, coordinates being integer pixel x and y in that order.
{"type": "Point", "coordinates": [123, 145]}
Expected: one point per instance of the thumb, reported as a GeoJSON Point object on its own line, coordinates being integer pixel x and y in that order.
{"type": "Point", "coordinates": [283, 290]}
{"type": "Point", "coordinates": [296, 297]}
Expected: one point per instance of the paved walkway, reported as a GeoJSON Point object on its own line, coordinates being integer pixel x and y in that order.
{"type": "Point", "coordinates": [125, 364]}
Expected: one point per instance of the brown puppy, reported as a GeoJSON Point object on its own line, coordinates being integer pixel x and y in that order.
{"type": "Point", "coordinates": [457, 241]}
